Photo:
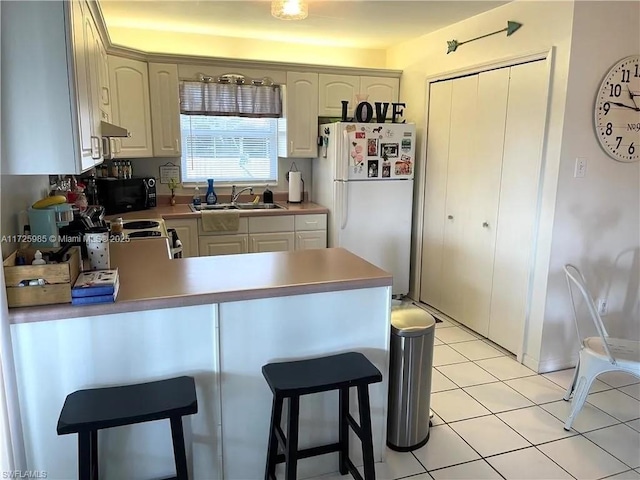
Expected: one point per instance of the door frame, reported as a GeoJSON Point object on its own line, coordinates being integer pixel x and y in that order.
{"type": "Point", "coordinates": [548, 56]}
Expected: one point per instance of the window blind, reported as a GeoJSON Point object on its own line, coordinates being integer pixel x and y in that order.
{"type": "Point", "coordinates": [222, 99]}
{"type": "Point", "coordinates": [229, 149]}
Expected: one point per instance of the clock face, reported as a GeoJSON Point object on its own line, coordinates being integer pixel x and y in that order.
{"type": "Point", "coordinates": [617, 111]}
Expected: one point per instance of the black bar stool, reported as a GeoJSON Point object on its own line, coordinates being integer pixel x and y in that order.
{"type": "Point", "coordinates": [87, 411]}
{"type": "Point", "coordinates": [337, 372]}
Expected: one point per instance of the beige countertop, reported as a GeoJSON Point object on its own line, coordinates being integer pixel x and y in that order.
{"type": "Point", "coordinates": [169, 212]}
{"type": "Point", "coordinates": [150, 279]}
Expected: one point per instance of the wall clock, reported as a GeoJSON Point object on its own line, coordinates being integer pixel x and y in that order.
{"type": "Point", "coordinates": [617, 111]}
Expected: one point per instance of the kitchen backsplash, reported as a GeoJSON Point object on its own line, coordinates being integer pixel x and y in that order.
{"type": "Point", "coordinates": [150, 167]}
{"type": "Point", "coordinates": [18, 193]}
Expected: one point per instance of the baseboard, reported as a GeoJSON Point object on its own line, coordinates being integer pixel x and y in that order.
{"type": "Point", "coordinates": [558, 363]}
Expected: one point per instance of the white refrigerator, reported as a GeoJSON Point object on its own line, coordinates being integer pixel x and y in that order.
{"type": "Point", "coordinates": [364, 176]}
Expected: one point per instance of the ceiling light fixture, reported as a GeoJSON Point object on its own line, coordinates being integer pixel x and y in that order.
{"type": "Point", "coordinates": [290, 9]}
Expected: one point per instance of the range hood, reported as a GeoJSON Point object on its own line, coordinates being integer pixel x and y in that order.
{"type": "Point", "coordinates": [111, 130]}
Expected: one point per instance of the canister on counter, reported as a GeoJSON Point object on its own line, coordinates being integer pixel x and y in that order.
{"type": "Point", "coordinates": [97, 240]}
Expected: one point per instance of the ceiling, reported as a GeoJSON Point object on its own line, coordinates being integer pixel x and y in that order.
{"type": "Point", "coordinates": [364, 24]}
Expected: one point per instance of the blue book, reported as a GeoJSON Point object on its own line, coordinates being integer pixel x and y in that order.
{"type": "Point", "coordinates": [94, 299]}
{"type": "Point", "coordinates": [95, 283]}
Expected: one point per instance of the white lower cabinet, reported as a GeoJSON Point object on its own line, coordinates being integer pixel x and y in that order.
{"type": "Point", "coordinates": [271, 242]}
{"type": "Point", "coordinates": [311, 231]}
{"type": "Point", "coordinates": [187, 230]}
{"type": "Point", "coordinates": [310, 240]}
{"type": "Point", "coordinates": [268, 233]}
{"type": "Point", "coordinates": [223, 244]}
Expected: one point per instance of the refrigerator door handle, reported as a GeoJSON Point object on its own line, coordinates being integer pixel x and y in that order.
{"type": "Point", "coordinates": [345, 156]}
{"type": "Point", "coordinates": [345, 204]}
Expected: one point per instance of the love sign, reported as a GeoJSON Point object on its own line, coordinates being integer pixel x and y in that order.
{"type": "Point", "coordinates": [364, 112]}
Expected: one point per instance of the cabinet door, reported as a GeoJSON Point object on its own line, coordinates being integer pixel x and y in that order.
{"type": "Point", "coordinates": [82, 29]}
{"type": "Point", "coordinates": [461, 155]}
{"type": "Point", "coordinates": [333, 89]}
{"type": "Point", "coordinates": [187, 230]}
{"type": "Point", "coordinates": [515, 236]}
{"type": "Point", "coordinates": [93, 57]}
{"type": "Point", "coordinates": [380, 89]}
{"type": "Point", "coordinates": [223, 245]}
{"type": "Point", "coordinates": [311, 239]}
{"type": "Point", "coordinates": [483, 192]}
{"type": "Point", "coordinates": [130, 105]}
{"type": "Point", "coordinates": [271, 242]}
{"type": "Point", "coordinates": [165, 109]}
{"type": "Point", "coordinates": [105, 94]}
{"type": "Point", "coordinates": [301, 110]}
{"type": "Point", "coordinates": [434, 214]}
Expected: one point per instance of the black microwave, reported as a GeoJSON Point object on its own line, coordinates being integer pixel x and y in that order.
{"type": "Point", "coordinates": [120, 195]}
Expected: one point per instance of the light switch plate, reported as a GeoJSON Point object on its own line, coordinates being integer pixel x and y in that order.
{"type": "Point", "coordinates": [581, 167]}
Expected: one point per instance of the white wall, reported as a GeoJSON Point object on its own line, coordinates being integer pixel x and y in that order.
{"type": "Point", "coordinates": [18, 193]}
{"type": "Point", "coordinates": [597, 220]}
{"type": "Point", "coordinates": [545, 25]}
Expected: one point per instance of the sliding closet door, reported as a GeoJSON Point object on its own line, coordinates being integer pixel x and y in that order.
{"type": "Point", "coordinates": [483, 191]}
{"type": "Point", "coordinates": [435, 192]}
{"type": "Point", "coordinates": [517, 212]}
{"type": "Point", "coordinates": [461, 154]}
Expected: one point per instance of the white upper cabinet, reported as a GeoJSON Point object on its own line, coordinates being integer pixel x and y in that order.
{"type": "Point", "coordinates": [165, 109]}
{"type": "Point", "coordinates": [48, 110]}
{"type": "Point", "coordinates": [130, 106]}
{"type": "Point", "coordinates": [354, 89]}
{"type": "Point", "coordinates": [300, 116]}
{"type": "Point", "coordinates": [380, 89]}
{"type": "Point", "coordinates": [105, 93]}
{"type": "Point", "coordinates": [333, 90]}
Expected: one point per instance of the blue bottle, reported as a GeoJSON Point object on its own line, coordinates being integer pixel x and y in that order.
{"type": "Point", "coordinates": [211, 196]}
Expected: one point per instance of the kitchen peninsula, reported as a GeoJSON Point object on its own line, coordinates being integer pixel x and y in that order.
{"type": "Point", "coordinates": [218, 319]}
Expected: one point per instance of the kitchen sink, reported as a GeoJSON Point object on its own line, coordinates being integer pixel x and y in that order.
{"type": "Point", "coordinates": [257, 206]}
{"type": "Point", "coordinates": [235, 206]}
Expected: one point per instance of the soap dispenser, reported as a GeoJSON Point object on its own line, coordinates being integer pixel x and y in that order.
{"type": "Point", "coordinates": [211, 196]}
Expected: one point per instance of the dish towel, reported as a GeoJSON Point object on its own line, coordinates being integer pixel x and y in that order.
{"type": "Point", "coordinates": [217, 221]}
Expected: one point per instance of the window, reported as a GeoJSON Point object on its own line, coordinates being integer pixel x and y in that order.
{"type": "Point", "coordinates": [229, 129]}
{"type": "Point", "coordinates": [229, 149]}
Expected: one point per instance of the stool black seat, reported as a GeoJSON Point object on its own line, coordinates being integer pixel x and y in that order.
{"type": "Point", "coordinates": [86, 411]}
{"type": "Point", "coordinates": [302, 377]}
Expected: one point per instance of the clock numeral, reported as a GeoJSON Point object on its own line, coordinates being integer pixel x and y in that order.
{"type": "Point", "coordinates": [619, 139]}
{"type": "Point", "coordinates": [631, 149]}
{"type": "Point", "coordinates": [625, 75]}
{"type": "Point", "coordinates": [637, 74]}
{"type": "Point", "coordinates": [616, 90]}
{"type": "Point", "coordinates": [606, 107]}
{"type": "Point", "coordinates": [609, 129]}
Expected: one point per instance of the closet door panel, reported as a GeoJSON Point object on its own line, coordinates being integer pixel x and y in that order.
{"type": "Point", "coordinates": [461, 154]}
{"type": "Point", "coordinates": [435, 193]}
{"type": "Point", "coordinates": [483, 192]}
{"type": "Point", "coordinates": [526, 114]}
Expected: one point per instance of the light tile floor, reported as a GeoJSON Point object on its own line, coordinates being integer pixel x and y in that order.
{"type": "Point", "coordinates": [497, 419]}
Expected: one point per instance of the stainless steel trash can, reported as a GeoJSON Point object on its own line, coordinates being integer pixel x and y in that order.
{"type": "Point", "coordinates": [412, 335]}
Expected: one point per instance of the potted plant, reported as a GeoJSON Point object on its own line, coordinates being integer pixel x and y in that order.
{"type": "Point", "coordinates": [173, 184]}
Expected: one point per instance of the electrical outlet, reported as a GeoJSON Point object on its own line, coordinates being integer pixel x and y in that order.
{"type": "Point", "coordinates": [581, 167]}
{"type": "Point", "coordinates": [602, 307]}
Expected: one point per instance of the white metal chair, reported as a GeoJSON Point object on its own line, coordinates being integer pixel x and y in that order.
{"type": "Point", "coordinates": [597, 354]}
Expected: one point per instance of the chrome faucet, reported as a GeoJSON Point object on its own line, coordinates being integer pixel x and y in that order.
{"type": "Point", "coordinates": [235, 195]}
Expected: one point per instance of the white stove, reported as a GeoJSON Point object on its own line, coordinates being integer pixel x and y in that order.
{"type": "Point", "coordinates": [144, 228]}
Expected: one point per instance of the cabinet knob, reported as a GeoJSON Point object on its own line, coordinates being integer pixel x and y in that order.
{"type": "Point", "coordinates": [485, 224]}
{"type": "Point", "coordinates": [450, 217]}
{"type": "Point", "coordinates": [176, 144]}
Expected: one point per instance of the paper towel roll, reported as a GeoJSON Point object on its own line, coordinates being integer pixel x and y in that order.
{"type": "Point", "coordinates": [295, 187]}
